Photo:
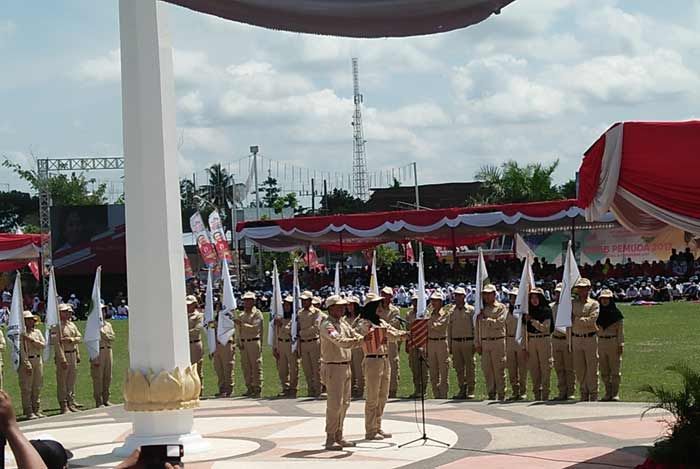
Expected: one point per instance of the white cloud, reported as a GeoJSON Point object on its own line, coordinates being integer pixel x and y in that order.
{"type": "Point", "coordinates": [7, 29]}
{"type": "Point", "coordinates": [426, 114]}
{"type": "Point", "coordinates": [206, 139]}
{"type": "Point", "coordinates": [101, 69]}
{"type": "Point", "coordinates": [191, 103]}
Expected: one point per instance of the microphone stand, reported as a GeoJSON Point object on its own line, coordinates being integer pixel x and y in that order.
{"type": "Point", "coordinates": [424, 438]}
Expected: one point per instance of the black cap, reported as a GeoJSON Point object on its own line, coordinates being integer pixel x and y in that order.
{"type": "Point", "coordinates": [54, 455]}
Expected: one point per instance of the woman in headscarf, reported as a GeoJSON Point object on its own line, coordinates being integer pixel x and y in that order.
{"type": "Point", "coordinates": [539, 323]}
{"type": "Point", "coordinates": [611, 343]}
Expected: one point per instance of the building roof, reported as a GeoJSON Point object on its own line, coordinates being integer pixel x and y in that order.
{"type": "Point", "coordinates": [445, 195]}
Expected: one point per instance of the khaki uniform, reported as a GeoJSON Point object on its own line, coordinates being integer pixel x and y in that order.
{"type": "Point", "coordinates": [460, 336]}
{"type": "Point", "coordinates": [416, 359]}
{"type": "Point", "coordinates": [377, 375]}
{"type": "Point", "coordinates": [585, 347]}
{"type": "Point", "coordinates": [224, 361]}
{"type": "Point", "coordinates": [66, 355]}
{"type": "Point", "coordinates": [540, 357]}
{"type": "Point", "coordinates": [288, 361]}
{"type": "Point", "coordinates": [2, 353]}
{"type": "Point", "coordinates": [337, 338]}
{"type": "Point", "coordinates": [309, 348]}
{"type": "Point", "coordinates": [357, 377]}
{"type": "Point", "coordinates": [516, 360]}
{"type": "Point", "coordinates": [492, 334]}
{"type": "Point", "coordinates": [392, 316]}
{"type": "Point", "coordinates": [563, 361]}
{"type": "Point", "coordinates": [101, 367]}
{"type": "Point", "coordinates": [438, 354]}
{"type": "Point", "coordinates": [31, 371]}
{"type": "Point", "coordinates": [250, 331]}
{"type": "Point", "coordinates": [196, 325]}
{"type": "Point", "coordinates": [610, 340]}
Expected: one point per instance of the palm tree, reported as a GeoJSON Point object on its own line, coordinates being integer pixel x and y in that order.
{"type": "Point", "coordinates": [218, 190]}
{"type": "Point", "coordinates": [187, 193]}
{"type": "Point", "coordinates": [512, 183]}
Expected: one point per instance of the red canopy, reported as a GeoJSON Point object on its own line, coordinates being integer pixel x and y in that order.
{"type": "Point", "coordinates": [444, 227]}
{"type": "Point", "coordinates": [16, 250]}
{"type": "Point", "coordinates": [646, 173]}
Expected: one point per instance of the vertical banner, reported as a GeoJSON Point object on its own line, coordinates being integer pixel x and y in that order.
{"type": "Point", "coordinates": [522, 303]}
{"type": "Point", "coordinates": [276, 310]}
{"type": "Point", "coordinates": [15, 325]}
{"type": "Point", "coordinates": [51, 313]}
{"type": "Point", "coordinates": [94, 320]}
{"type": "Point", "coordinates": [226, 327]}
{"type": "Point", "coordinates": [209, 315]}
{"type": "Point", "coordinates": [204, 244]}
{"type": "Point", "coordinates": [569, 279]}
{"type": "Point", "coordinates": [482, 278]}
{"type": "Point", "coordinates": [220, 241]}
{"type": "Point", "coordinates": [409, 252]}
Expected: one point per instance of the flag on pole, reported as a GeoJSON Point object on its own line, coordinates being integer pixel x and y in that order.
{"type": "Point", "coordinates": [226, 327]}
{"type": "Point", "coordinates": [217, 232]}
{"type": "Point", "coordinates": [95, 319]}
{"type": "Point", "coordinates": [15, 324]}
{"type": "Point", "coordinates": [296, 293]}
{"type": "Point", "coordinates": [482, 278]}
{"type": "Point", "coordinates": [373, 280]}
{"type": "Point", "coordinates": [522, 250]}
{"type": "Point", "coordinates": [569, 279]}
{"type": "Point", "coordinates": [209, 314]}
{"type": "Point", "coordinates": [51, 313]}
{"type": "Point", "coordinates": [422, 300]}
{"type": "Point", "coordinates": [336, 283]}
{"type": "Point", "coordinates": [276, 310]}
{"type": "Point", "coordinates": [409, 252]}
{"type": "Point", "coordinates": [522, 303]}
{"type": "Point", "coordinates": [204, 244]}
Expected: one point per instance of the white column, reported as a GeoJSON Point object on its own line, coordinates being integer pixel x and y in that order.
{"type": "Point", "coordinates": [158, 330]}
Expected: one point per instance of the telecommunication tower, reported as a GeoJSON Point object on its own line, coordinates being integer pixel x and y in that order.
{"type": "Point", "coordinates": [359, 159]}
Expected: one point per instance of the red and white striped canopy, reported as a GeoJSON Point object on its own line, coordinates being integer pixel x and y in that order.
{"type": "Point", "coordinates": [646, 173]}
{"type": "Point", "coordinates": [353, 18]}
{"type": "Point", "coordinates": [16, 250]}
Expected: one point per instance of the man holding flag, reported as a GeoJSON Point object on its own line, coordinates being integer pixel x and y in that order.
{"type": "Point", "coordinates": [585, 341]}
{"type": "Point", "coordinates": [250, 330]}
{"type": "Point", "coordinates": [392, 314]}
{"type": "Point", "coordinates": [492, 334]}
{"type": "Point", "coordinates": [224, 354]}
{"type": "Point", "coordinates": [101, 365]}
{"type": "Point", "coordinates": [561, 354]}
{"type": "Point", "coordinates": [66, 337]}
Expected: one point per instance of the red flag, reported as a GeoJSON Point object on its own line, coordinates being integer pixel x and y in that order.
{"type": "Point", "coordinates": [419, 333]}
{"type": "Point", "coordinates": [34, 267]}
{"type": "Point", "coordinates": [312, 259]}
{"type": "Point", "coordinates": [374, 340]}
{"type": "Point", "coordinates": [409, 252]}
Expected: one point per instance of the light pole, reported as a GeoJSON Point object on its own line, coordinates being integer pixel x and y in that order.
{"type": "Point", "coordinates": [254, 150]}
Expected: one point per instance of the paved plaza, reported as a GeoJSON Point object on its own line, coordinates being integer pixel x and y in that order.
{"type": "Point", "coordinates": [289, 433]}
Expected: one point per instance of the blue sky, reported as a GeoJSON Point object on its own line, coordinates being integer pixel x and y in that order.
{"type": "Point", "coordinates": [538, 82]}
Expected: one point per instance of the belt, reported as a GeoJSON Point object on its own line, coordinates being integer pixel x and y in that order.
{"type": "Point", "coordinates": [511, 337]}
{"type": "Point", "coordinates": [69, 351]}
{"type": "Point", "coordinates": [607, 337]}
{"type": "Point", "coordinates": [284, 340]}
{"type": "Point", "coordinates": [462, 339]}
{"type": "Point", "coordinates": [559, 337]}
{"type": "Point", "coordinates": [250, 340]}
{"type": "Point", "coordinates": [33, 356]}
{"type": "Point", "coordinates": [195, 341]}
{"type": "Point", "coordinates": [493, 338]}
{"type": "Point", "coordinates": [105, 348]}
{"type": "Point", "coordinates": [375, 356]}
{"type": "Point", "coordinates": [337, 363]}
{"type": "Point", "coordinates": [590, 334]}
{"type": "Point", "coordinates": [303, 341]}
{"type": "Point", "coordinates": [535, 336]}
{"type": "Point", "coordinates": [437, 338]}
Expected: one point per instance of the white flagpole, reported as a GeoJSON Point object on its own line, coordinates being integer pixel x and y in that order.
{"type": "Point", "coordinates": [336, 283]}
{"type": "Point", "coordinates": [94, 320]}
{"type": "Point", "coordinates": [295, 306]}
{"type": "Point", "coordinates": [226, 326]}
{"type": "Point", "coordinates": [422, 301]}
{"type": "Point", "coordinates": [209, 314]}
{"type": "Point", "coordinates": [51, 313]}
{"type": "Point", "coordinates": [15, 325]}
{"type": "Point", "coordinates": [569, 279]}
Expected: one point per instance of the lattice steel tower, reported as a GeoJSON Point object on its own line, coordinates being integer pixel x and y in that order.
{"type": "Point", "coordinates": [359, 159]}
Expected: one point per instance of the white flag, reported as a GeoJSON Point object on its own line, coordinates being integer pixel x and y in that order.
{"type": "Point", "coordinates": [15, 324]}
{"type": "Point", "coordinates": [373, 280]}
{"type": "Point", "coordinates": [276, 310]}
{"type": "Point", "coordinates": [482, 278]}
{"type": "Point", "coordinates": [522, 302]}
{"type": "Point", "coordinates": [569, 279]}
{"type": "Point", "coordinates": [336, 283]}
{"type": "Point", "coordinates": [51, 314]}
{"type": "Point", "coordinates": [296, 293]}
{"type": "Point", "coordinates": [94, 320]}
{"type": "Point", "coordinates": [522, 250]}
{"type": "Point", "coordinates": [209, 314]}
{"type": "Point", "coordinates": [422, 300]}
{"type": "Point", "coordinates": [226, 327]}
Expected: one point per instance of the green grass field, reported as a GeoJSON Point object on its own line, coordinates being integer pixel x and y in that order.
{"type": "Point", "coordinates": [655, 338]}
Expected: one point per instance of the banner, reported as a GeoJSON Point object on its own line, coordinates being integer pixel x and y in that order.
{"type": "Point", "coordinates": [522, 302]}
{"type": "Point", "coordinates": [94, 320]}
{"type": "Point", "coordinates": [217, 232]}
{"type": "Point", "coordinates": [422, 300]}
{"type": "Point", "coordinates": [373, 280]}
{"type": "Point", "coordinates": [482, 278]}
{"type": "Point", "coordinates": [570, 277]}
{"type": "Point", "coordinates": [226, 327]}
{"type": "Point", "coordinates": [204, 244]}
{"type": "Point", "coordinates": [51, 313]}
{"type": "Point", "coordinates": [336, 281]}
{"type": "Point", "coordinates": [276, 309]}
{"type": "Point", "coordinates": [409, 252]}
{"type": "Point", "coordinates": [209, 315]}
{"type": "Point", "coordinates": [15, 325]}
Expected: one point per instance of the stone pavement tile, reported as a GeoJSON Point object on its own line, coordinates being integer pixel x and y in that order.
{"type": "Point", "coordinates": [580, 458]}
{"type": "Point", "coordinates": [465, 416]}
{"type": "Point", "coordinates": [581, 410]}
{"type": "Point", "coordinates": [225, 412]}
{"type": "Point", "coordinates": [625, 429]}
{"type": "Point", "coordinates": [525, 436]}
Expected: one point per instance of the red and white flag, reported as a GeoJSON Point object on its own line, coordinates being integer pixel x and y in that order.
{"type": "Point", "coordinates": [409, 252]}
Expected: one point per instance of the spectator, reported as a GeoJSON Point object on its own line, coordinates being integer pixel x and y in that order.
{"type": "Point", "coordinates": [25, 454]}
{"type": "Point", "coordinates": [54, 455]}
{"type": "Point", "coordinates": [132, 462]}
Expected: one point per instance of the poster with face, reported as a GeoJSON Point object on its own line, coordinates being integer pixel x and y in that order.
{"type": "Point", "coordinates": [204, 244]}
{"type": "Point", "coordinates": [217, 232]}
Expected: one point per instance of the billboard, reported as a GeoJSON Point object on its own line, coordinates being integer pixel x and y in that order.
{"type": "Point", "coordinates": [84, 237]}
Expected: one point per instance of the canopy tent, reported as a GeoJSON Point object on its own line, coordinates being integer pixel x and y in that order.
{"type": "Point", "coordinates": [444, 227]}
{"type": "Point", "coordinates": [16, 250]}
{"type": "Point", "coordinates": [353, 18]}
{"type": "Point", "coordinates": [645, 173]}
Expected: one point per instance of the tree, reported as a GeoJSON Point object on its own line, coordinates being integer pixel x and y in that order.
{"type": "Point", "coordinates": [341, 201]}
{"type": "Point", "coordinates": [387, 256]}
{"type": "Point", "coordinates": [64, 189]}
{"type": "Point", "coordinates": [270, 192]}
{"type": "Point", "coordinates": [18, 209]}
{"type": "Point", "coordinates": [568, 189]}
{"type": "Point", "coordinates": [512, 183]}
{"type": "Point", "coordinates": [218, 190]}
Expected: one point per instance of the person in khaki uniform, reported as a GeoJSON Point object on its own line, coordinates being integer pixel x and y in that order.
{"type": "Point", "coordinates": [438, 354]}
{"type": "Point", "coordinates": [585, 341]}
{"type": "Point", "coordinates": [337, 340]}
{"type": "Point", "coordinates": [491, 330]}
{"type": "Point", "coordinates": [376, 368]}
{"type": "Point", "coordinates": [460, 336]}
{"type": "Point", "coordinates": [611, 344]}
{"type": "Point", "coordinates": [539, 323]}
{"type": "Point", "coordinates": [250, 330]}
{"type": "Point", "coordinates": [287, 360]}
{"type": "Point", "coordinates": [101, 366]}
{"type": "Point", "coordinates": [416, 356]}
{"type": "Point", "coordinates": [357, 378]}
{"type": "Point", "coordinates": [308, 321]}
{"type": "Point", "coordinates": [223, 359]}
{"type": "Point", "coordinates": [392, 314]}
{"type": "Point", "coordinates": [65, 338]}
{"type": "Point", "coordinates": [562, 357]}
{"type": "Point", "coordinates": [31, 369]}
{"type": "Point", "coordinates": [195, 321]}
{"type": "Point", "coordinates": [516, 355]}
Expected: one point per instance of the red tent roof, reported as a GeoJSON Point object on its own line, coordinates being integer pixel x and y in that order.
{"type": "Point", "coordinates": [18, 249]}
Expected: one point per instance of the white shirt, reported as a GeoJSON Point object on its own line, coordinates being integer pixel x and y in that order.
{"type": "Point", "coordinates": [123, 310]}
{"type": "Point", "coordinates": [632, 293]}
